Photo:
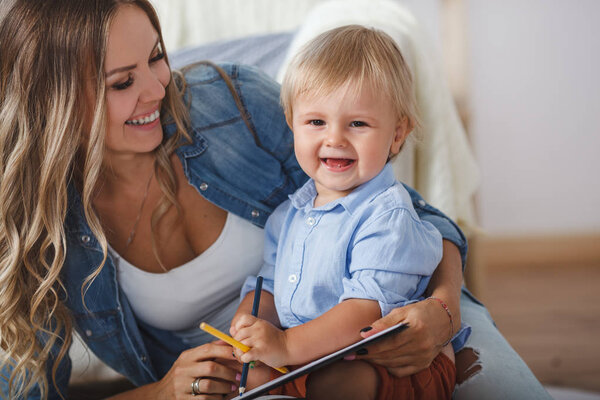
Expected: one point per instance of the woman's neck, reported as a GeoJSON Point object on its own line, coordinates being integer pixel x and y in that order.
{"type": "Point", "coordinates": [127, 171]}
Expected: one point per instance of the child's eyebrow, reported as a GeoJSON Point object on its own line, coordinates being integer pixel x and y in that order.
{"type": "Point", "coordinates": [132, 66]}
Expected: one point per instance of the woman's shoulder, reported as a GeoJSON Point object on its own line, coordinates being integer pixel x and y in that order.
{"type": "Point", "coordinates": [220, 93]}
{"type": "Point", "coordinates": [208, 73]}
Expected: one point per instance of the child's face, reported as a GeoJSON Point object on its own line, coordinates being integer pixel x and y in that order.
{"type": "Point", "coordinates": [344, 140]}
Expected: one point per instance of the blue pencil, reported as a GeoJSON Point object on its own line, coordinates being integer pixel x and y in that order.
{"type": "Point", "coordinates": [255, 304]}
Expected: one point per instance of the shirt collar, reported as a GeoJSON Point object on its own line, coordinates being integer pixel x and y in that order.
{"type": "Point", "coordinates": [304, 197]}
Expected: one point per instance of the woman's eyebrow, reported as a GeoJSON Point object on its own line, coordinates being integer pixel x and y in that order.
{"type": "Point", "coordinates": [132, 66]}
{"type": "Point", "coordinates": [120, 69]}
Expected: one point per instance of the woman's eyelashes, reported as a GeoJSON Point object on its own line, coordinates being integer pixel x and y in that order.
{"type": "Point", "coordinates": [159, 56]}
{"type": "Point", "coordinates": [124, 85]}
{"type": "Point", "coordinates": [358, 124]}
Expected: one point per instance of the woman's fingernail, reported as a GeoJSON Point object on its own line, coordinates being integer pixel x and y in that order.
{"type": "Point", "coordinates": [251, 365]}
{"type": "Point", "coordinates": [238, 376]}
{"type": "Point", "coordinates": [362, 352]}
{"type": "Point", "coordinates": [366, 329]}
{"type": "Point", "coordinates": [233, 387]}
{"type": "Point", "coordinates": [350, 357]}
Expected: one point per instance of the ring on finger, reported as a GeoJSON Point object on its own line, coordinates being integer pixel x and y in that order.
{"type": "Point", "coordinates": [196, 387]}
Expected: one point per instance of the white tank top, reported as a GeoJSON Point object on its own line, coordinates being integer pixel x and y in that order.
{"type": "Point", "coordinates": [202, 288]}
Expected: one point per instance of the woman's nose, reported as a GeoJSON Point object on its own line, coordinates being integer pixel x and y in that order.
{"type": "Point", "coordinates": [153, 89]}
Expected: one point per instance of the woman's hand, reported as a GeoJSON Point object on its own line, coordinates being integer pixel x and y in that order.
{"type": "Point", "coordinates": [413, 349]}
{"type": "Point", "coordinates": [207, 362]}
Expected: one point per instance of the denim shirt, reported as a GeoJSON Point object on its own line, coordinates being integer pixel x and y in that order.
{"type": "Point", "coordinates": [246, 175]}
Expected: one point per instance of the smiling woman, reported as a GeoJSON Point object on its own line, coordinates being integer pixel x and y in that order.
{"type": "Point", "coordinates": [136, 78]}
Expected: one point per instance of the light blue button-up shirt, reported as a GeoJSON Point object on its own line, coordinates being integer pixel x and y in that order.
{"type": "Point", "coordinates": [370, 244]}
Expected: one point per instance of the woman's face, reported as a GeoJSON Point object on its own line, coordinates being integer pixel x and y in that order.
{"type": "Point", "coordinates": [136, 77]}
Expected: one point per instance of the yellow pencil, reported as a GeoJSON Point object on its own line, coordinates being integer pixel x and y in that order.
{"type": "Point", "coordinates": [229, 340]}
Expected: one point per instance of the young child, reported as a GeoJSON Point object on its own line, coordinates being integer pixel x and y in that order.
{"type": "Point", "coordinates": [348, 246]}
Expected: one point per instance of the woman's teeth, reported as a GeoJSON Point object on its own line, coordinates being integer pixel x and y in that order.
{"type": "Point", "coordinates": [143, 121]}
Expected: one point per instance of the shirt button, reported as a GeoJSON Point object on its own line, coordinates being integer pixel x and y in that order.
{"type": "Point", "coordinates": [203, 186]}
{"type": "Point", "coordinates": [143, 358]}
{"type": "Point", "coordinates": [310, 221]}
{"type": "Point", "coordinates": [422, 203]}
{"type": "Point", "coordinates": [255, 213]}
{"type": "Point", "coordinates": [88, 332]}
{"type": "Point", "coordinates": [293, 278]}
{"type": "Point", "coordinates": [85, 239]}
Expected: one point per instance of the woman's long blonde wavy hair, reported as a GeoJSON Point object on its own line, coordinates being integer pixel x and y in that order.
{"type": "Point", "coordinates": [52, 127]}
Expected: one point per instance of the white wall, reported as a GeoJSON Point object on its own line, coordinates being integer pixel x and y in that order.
{"type": "Point", "coordinates": [535, 114]}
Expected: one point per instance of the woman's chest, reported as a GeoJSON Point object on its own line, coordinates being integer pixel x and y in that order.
{"type": "Point", "coordinates": [155, 240]}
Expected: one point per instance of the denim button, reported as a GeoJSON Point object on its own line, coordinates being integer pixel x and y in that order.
{"type": "Point", "coordinates": [422, 203]}
{"type": "Point", "coordinates": [143, 358]}
{"type": "Point", "coordinates": [255, 213]}
{"type": "Point", "coordinates": [293, 278]}
{"type": "Point", "coordinates": [310, 221]}
{"type": "Point", "coordinates": [203, 186]}
{"type": "Point", "coordinates": [88, 332]}
{"type": "Point", "coordinates": [85, 239]}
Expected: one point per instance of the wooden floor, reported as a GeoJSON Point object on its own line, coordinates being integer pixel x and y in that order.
{"type": "Point", "coordinates": [551, 316]}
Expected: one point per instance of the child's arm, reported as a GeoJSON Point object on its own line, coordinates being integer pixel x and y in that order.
{"type": "Point", "coordinates": [266, 310]}
{"type": "Point", "coordinates": [335, 329]}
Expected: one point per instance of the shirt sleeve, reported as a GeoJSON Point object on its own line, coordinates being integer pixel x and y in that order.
{"type": "Point", "coordinates": [448, 228]}
{"type": "Point", "coordinates": [272, 233]}
{"type": "Point", "coordinates": [392, 259]}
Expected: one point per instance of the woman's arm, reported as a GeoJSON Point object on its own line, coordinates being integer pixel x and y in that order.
{"type": "Point", "coordinates": [414, 349]}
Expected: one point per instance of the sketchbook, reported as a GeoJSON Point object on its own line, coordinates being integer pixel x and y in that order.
{"type": "Point", "coordinates": [261, 392]}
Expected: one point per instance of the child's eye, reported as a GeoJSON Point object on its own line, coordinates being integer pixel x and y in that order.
{"type": "Point", "coordinates": [316, 122]}
{"type": "Point", "coordinates": [123, 85]}
{"type": "Point", "coordinates": [358, 124]}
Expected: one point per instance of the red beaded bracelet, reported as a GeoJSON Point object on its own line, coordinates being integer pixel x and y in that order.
{"type": "Point", "coordinates": [449, 315]}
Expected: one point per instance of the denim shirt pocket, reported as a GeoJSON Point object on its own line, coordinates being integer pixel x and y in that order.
{"type": "Point", "coordinates": [96, 327]}
{"type": "Point", "coordinates": [102, 334]}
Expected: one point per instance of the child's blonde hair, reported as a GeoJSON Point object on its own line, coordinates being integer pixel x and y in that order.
{"type": "Point", "coordinates": [351, 54]}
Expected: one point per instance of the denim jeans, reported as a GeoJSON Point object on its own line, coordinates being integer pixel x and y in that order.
{"type": "Point", "coordinates": [489, 368]}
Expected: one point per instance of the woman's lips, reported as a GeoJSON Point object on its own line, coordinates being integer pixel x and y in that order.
{"type": "Point", "coordinates": [147, 122]}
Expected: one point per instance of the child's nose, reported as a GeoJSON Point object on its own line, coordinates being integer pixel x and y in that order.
{"type": "Point", "coordinates": [335, 137]}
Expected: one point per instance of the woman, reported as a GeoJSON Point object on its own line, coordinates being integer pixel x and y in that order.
{"type": "Point", "coordinates": [129, 203]}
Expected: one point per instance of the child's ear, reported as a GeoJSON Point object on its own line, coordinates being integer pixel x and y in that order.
{"type": "Point", "coordinates": [403, 128]}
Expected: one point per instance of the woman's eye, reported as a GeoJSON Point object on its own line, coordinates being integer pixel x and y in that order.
{"type": "Point", "coordinates": [159, 56]}
{"type": "Point", "coordinates": [123, 85]}
{"type": "Point", "coordinates": [316, 122]}
{"type": "Point", "coordinates": [358, 124]}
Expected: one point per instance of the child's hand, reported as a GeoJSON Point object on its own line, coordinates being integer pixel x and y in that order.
{"type": "Point", "coordinates": [268, 343]}
{"type": "Point", "coordinates": [234, 321]}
